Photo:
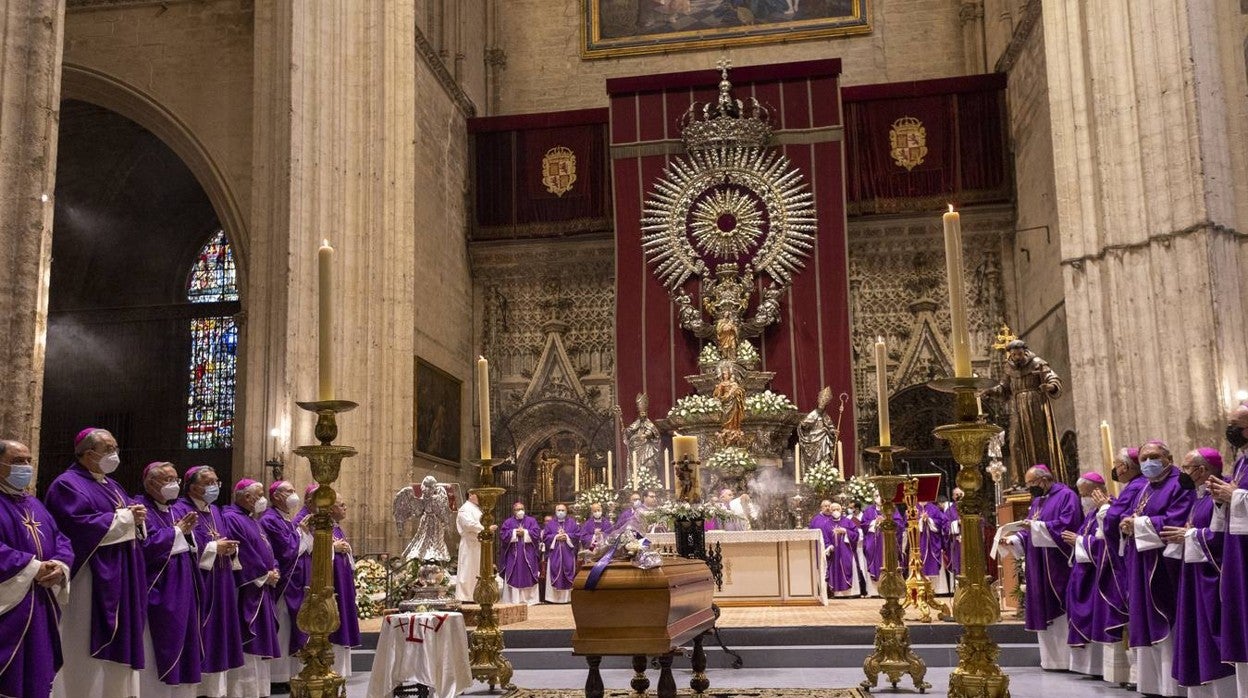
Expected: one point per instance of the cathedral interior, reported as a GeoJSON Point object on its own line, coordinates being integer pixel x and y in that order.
{"type": "Point", "coordinates": [482, 169]}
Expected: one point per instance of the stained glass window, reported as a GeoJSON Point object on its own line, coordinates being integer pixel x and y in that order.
{"type": "Point", "coordinates": [214, 349]}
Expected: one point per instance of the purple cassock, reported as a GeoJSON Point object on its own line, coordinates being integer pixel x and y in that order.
{"type": "Point", "coordinates": [295, 568]}
{"type": "Point", "coordinates": [1233, 631]}
{"type": "Point", "coordinates": [871, 541]}
{"type": "Point", "coordinates": [953, 544]}
{"type": "Point", "coordinates": [84, 508]}
{"type": "Point", "coordinates": [561, 555]}
{"type": "Point", "coordinates": [1047, 555]}
{"type": "Point", "coordinates": [173, 592]}
{"type": "Point", "coordinates": [841, 549]}
{"type": "Point", "coordinates": [348, 632]}
{"type": "Point", "coordinates": [519, 559]}
{"type": "Point", "coordinates": [1153, 578]}
{"type": "Point", "coordinates": [218, 605]}
{"type": "Point", "coordinates": [30, 643]}
{"type": "Point", "coordinates": [1197, 658]}
{"type": "Point", "coordinates": [593, 529]}
{"type": "Point", "coordinates": [255, 601]}
{"type": "Point", "coordinates": [1082, 593]}
{"type": "Point", "coordinates": [1111, 572]}
{"type": "Point", "coordinates": [931, 538]}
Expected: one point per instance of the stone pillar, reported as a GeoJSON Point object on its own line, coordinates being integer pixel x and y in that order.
{"type": "Point", "coordinates": [31, 40]}
{"type": "Point", "coordinates": [334, 159]}
{"type": "Point", "coordinates": [1150, 220]}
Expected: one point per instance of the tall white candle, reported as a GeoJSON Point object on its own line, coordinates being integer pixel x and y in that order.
{"type": "Point", "coordinates": [840, 458]}
{"type": "Point", "coordinates": [483, 404]}
{"type": "Point", "coordinates": [610, 467]}
{"type": "Point", "coordinates": [684, 446]}
{"type": "Point", "coordinates": [325, 322]}
{"type": "Point", "coordinates": [881, 380]}
{"type": "Point", "coordinates": [667, 469]}
{"type": "Point", "coordinates": [576, 476]}
{"type": "Point", "coordinates": [1107, 449]}
{"type": "Point", "coordinates": [797, 463]}
{"type": "Point", "coordinates": [960, 340]}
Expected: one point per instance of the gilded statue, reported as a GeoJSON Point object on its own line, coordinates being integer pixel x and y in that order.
{"type": "Point", "coordinates": [725, 299]}
{"type": "Point", "coordinates": [818, 433]}
{"type": "Point", "coordinates": [732, 396]}
{"type": "Point", "coordinates": [643, 438]}
{"type": "Point", "coordinates": [1029, 388]}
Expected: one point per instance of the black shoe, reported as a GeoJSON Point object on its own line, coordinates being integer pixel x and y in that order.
{"type": "Point", "coordinates": [279, 689]}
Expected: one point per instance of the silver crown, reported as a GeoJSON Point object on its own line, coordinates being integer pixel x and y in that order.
{"type": "Point", "coordinates": [726, 122]}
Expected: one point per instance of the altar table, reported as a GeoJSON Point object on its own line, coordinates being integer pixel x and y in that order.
{"type": "Point", "coordinates": [768, 568]}
{"type": "Point", "coordinates": [427, 648]}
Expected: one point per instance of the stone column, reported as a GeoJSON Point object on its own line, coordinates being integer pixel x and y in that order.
{"type": "Point", "coordinates": [1146, 162]}
{"type": "Point", "coordinates": [334, 159]}
{"type": "Point", "coordinates": [31, 40]}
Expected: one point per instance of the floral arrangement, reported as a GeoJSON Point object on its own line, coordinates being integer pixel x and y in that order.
{"type": "Point", "coordinates": [668, 512]}
{"type": "Point", "coordinates": [732, 462]}
{"type": "Point", "coordinates": [767, 402]}
{"type": "Point", "coordinates": [370, 588]}
{"type": "Point", "coordinates": [598, 494]}
{"type": "Point", "coordinates": [695, 407]}
{"type": "Point", "coordinates": [645, 479]}
{"type": "Point", "coordinates": [861, 491]}
{"type": "Point", "coordinates": [624, 544]}
{"type": "Point", "coordinates": [747, 355]}
{"type": "Point", "coordinates": [823, 477]}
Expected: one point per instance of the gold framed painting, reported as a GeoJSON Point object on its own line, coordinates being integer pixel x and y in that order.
{"type": "Point", "coordinates": [437, 413]}
{"type": "Point", "coordinates": [612, 28]}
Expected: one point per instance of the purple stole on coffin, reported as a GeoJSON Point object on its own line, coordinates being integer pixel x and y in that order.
{"type": "Point", "coordinates": [561, 555]}
{"type": "Point", "coordinates": [1082, 593]}
{"type": "Point", "coordinates": [295, 569]}
{"type": "Point", "coordinates": [220, 629]}
{"type": "Point", "coordinates": [30, 643]}
{"type": "Point", "coordinates": [255, 603]}
{"type": "Point", "coordinates": [1233, 631]}
{"type": "Point", "coordinates": [173, 592]}
{"type": "Point", "coordinates": [1153, 578]}
{"type": "Point", "coordinates": [1196, 653]}
{"type": "Point", "coordinates": [1048, 568]}
{"type": "Point", "coordinates": [520, 564]}
{"type": "Point", "coordinates": [84, 508]}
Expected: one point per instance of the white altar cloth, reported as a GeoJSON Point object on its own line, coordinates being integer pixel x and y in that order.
{"type": "Point", "coordinates": [427, 648]}
{"type": "Point", "coordinates": [768, 568]}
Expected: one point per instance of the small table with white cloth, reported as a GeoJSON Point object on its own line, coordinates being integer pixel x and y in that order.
{"type": "Point", "coordinates": [427, 648]}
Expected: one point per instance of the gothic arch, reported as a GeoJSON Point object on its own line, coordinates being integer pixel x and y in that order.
{"type": "Point", "coordinates": [537, 422]}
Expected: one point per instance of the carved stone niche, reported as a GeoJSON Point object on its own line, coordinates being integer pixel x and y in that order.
{"type": "Point", "coordinates": [554, 428]}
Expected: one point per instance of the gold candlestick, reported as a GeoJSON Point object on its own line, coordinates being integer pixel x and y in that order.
{"type": "Point", "coordinates": [892, 656]}
{"type": "Point", "coordinates": [485, 645]}
{"type": "Point", "coordinates": [318, 617]}
{"type": "Point", "coordinates": [975, 606]}
{"type": "Point", "coordinates": [919, 592]}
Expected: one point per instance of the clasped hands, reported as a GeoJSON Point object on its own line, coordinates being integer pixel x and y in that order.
{"type": "Point", "coordinates": [1220, 489]}
{"type": "Point", "coordinates": [50, 574]}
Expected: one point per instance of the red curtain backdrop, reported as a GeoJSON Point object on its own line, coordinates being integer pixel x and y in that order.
{"type": "Point", "coordinates": [511, 199]}
{"type": "Point", "coordinates": [967, 160]}
{"type": "Point", "coordinates": [810, 347]}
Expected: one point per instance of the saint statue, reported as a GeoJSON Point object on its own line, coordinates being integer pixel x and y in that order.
{"type": "Point", "coordinates": [732, 396]}
{"type": "Point", "coordinates": [429, 504]}
{"type": "Point", "coordinates": [817, 434]}
{"type": "Point", "coordinates": [643, 438]}
{"type": "Point", "coordinates": [1028, 389]}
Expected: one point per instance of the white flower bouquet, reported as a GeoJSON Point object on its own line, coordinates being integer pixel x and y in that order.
{"type": "Point", "coordinates": [370, 588]}
{"type": "Point", "coordinates": [696, 408]}
{"type": "Point", "coordinates": [861, 491]}
{"type": "Point", "coordinates": [598, 494]}
{"type": "Point", "coordinates": [732, 462]}
{"type": "Point", "coordinates": [823, 477]}
{"type": "Point", "coordinates": [668, 512]}
{"type": "Point", "coordinates": [768, 403]}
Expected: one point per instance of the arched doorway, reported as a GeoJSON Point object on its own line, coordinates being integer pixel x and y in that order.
{"type": "Point", "coordinates": [141, 333]}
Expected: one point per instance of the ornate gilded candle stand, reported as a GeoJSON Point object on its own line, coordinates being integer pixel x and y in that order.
{"type": "Point", "coordinates": [485, 644]}
{"type": "Point", "coordinates": [318, 617]}
{"type": "Point", "coordinates": [975, 606]}
{"type": "Point", "coordinates": [920, 595]}
{"type": "Point", "coordinates": [892, 656]}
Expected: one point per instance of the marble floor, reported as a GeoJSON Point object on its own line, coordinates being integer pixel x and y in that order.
{"type": "Point", "coordinates": [1025, 682]}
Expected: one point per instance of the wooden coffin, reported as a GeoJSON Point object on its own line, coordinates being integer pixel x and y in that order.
{"type": "Point", "coordinates": [648, 612]}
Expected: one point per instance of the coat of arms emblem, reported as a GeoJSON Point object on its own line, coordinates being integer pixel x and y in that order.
{"type": "Point", "coordinates": [908, 139]}
{"type": "Point", "coordinates": [559, 170]}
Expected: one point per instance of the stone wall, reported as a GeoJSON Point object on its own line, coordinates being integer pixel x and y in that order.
{"type": "Point", "coordinates": [911, 40]}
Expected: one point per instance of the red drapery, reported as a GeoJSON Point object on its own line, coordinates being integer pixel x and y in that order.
{"type": "Point", "coordinates": [810, 347]}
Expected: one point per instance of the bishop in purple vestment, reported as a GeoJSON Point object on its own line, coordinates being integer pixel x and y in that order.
{"type": "Point", "coordinates": [839, 536]}
{"type": "Point", "coordinates": [292, 547]}
{"type": "Point", "coordinates": [593, 531]}
{"type": "Point", "coordinates": [1152, 576]}
{"type": "Point", "coordinates": [1232, 499]}
{"type": "Point", "coordinates": [561, 536]}
{"type": "Point", "coordinates": [1054, 510]}
{"type": "Point", "coordinates": [519, 536]}
{"type": "Point", "coordinates": [1197, 657]}
{"type": "Point", "coordinates": [1081, 591]}
{"type": "Point", "coordinates": [256, 582]}
{"type": "Point", "coordinates": [953, 534]}
{"type": "Point", "coordinates": [173, 587]}
{"type": "Point", "coordinates": [35, 558]}
{"type": "Point", "coordinates": [872, 551]}
{"type": "Point", "coordinates": [102, 628]}
{"type": "Point", "coordinates": [220, 620]}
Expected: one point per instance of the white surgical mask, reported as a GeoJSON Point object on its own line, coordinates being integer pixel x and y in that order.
{"type": "Point", "coordinates": [292, 501]}
{"type": "Point", "coordinates": [109, 463]}
{"type": "Point", "coordinates": [261, 505]}
{"type": "Point", "coordinates": [561, 515]}
{"type": "Point", "coordinates": [520, 513]}
{"type": "Point", "coordinates": [597, 514]}
{"type": "Point", "coordinates": [169, 491]}
{"type": "Point", "coordinates": [1152, 467]}
{"type": "Point", "coordinates": [211, 492]}
{"type": "Point", "coordinates": [20, 476]}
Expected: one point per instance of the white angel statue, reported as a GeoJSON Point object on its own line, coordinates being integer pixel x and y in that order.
{"type": "Point", "coordinates": [430, 506]}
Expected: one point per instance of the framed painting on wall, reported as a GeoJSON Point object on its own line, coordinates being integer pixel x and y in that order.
{"type": "Point", "coordinates": [627, 27]}
{"type": "Point", "coordinates": [437, 420]}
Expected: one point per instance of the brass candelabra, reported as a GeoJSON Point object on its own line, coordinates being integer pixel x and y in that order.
{"type": "Point", "coordinates": [485, 645]}
{"type": "Point", "coordinates": [919, 592]}
{"type": "Point", "coordinates": [318, 616]}
{"type": "Point", "coordinates": [975, 606]}
{"type": "Point", "coordinates": [892, 656]}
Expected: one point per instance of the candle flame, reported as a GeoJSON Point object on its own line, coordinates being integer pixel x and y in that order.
{"type": "Point", "coordinates": [480, 357]}
{"type": "Point", "coordinates": [879, 339]}
{"type": "Point", "coordinates": [950, 208]}
{"type": "Point", "coordinates": [324, 242]}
